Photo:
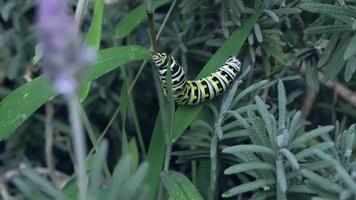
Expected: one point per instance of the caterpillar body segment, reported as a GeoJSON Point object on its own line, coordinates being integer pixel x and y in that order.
{"type": "Point", "coordinates": [192, 92]}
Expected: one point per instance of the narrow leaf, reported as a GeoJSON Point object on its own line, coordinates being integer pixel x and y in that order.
{"type": "Point", "coordinates": [351, 48]}
{"type": "Point", "coordinates": [282, 104]}
{"type": "Point", "coordinates": [179, 187]}
{"type": "Point", "coordinates": [248, 148]}
{"type": "Point", "coordinates": [281, 176]}
{"type": "Point", "coordinates": [251, 186]}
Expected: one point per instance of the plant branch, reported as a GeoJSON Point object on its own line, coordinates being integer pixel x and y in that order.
{"type": "Point", "coordinates": [79, 14]}
{"type": "Point", "coordinates": [49, 140]}
{"type": "Point", "coordinates": [340, 89]}
{"type": "Point", "coordinates": [78, 143]}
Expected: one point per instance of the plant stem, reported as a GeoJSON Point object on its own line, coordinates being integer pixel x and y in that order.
{"type": "Point", "coordinates": [213, 166]}
{"type": "Point", "coordinates": [79, 14]}
{"type": "Point", "coordinates": [167, 159]}
{"type": "Point", "coordinates": [78, 142]}
{"type": "Point", "coordinates": [49, 140]}
{"type": "Point", "coordinates": [92, 137]}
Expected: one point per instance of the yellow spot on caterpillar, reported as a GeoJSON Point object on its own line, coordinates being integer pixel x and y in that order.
{"type": "Point", "coordinates": [205, 86]}
{"type": "Point", "coordinates": [206, 95]}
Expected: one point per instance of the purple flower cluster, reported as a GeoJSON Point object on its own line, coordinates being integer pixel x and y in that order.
{"type": "Point", "coordinates": [64, 54]}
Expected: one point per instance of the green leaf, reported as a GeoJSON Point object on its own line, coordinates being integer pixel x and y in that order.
{"type": "Point", "coordinates": [179, 187]}
{"type": "Point", "coordinates": [258, 32]}
{"type": "Point", "coordinates": [29, 190]}
{"type": "Point", "coordinates": [350, 68]}
{"type": "Point", "coordinates": [321, 181]}
{"type": "Point", "coordinates": [272, 15]}
{"type": "Point", "coordinates": [311, 76]}
{"type": "Point", "coordinates": [291, 158]}
{"type": "Point", "coordinates": [239, 118]}
{"type": "Point", "coordinates": [328, 9]}
{"type": "Point", "coordinates": [250, 186]}
{"type": "Point", "coordinates": [134, 18]}
{"type": "Point", "coordinates": [248, 148]}
{"type": "Point", "coordinates": [186, 114]}
{"type": "Point", "coordinates": [328, 50]}
{"type": "Point", "coordinates": [281, 176]}
{"type": "Point", "coordinates": [133, 151]}
{"type": "Point", "coordinates": [351, 48]}
{"type": "Point", "coordinates": [170, 101]}
{"type": "Point", "coordinates": [155, 158]}
{"type": "Point", "coordinates": [124, 102]}
{"type": "Point", "coordinates": [282, 104]}
{"type": "Point", "coordinates": [249, 90]}
{"type": "Point", "coordinates": [21, 103]}
{"type": "Point", "coordinates": [327, 29]}
{"type": "Point", "coordinates": [93, 38]}
{"type": "Point", "coordinates": [120, 175]}
{"type": "Point", "coordinates": [262, 109]}
{"type": "Point", "coordinates": [203, 177]}
{"type": "Point", "coordinates": [148, 6]}
{"type": "Point", "coordinates": [336, 63]}
{"type": "Point", "coordinates": [257, 133]}
{"type": "Point", "coordinates": [96, 171]}
{"type": "Point", "coordinates": [310, 151]}
{"type": "Point", "coordinates": [345, 176]}
{"type": "Point", "coordinates": [310, 135]}
{"type": "Point", "coordinates": [43, 184]}
{"type": "Point", "coordinates": [235, 169]}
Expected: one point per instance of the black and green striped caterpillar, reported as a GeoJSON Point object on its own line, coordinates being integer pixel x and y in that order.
{"type": "Point", "coordinates": [195, 91]}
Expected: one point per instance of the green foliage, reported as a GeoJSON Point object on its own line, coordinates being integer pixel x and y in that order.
{"type": "Point", "coordinates": [35, 93]}
{"type": "Point", "coordinates": [336, 25]}
{"type": "Point", "coordinates": [126, 182]}
{"type": "Point", "coordinates": [179, 187]}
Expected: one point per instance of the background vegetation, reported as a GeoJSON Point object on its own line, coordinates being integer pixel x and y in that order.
{"type": "Point", "coordinates": [285, 132]}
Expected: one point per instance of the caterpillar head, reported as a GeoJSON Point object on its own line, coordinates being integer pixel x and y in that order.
{"type": "Point", "coordinates": [234, 62]}
{"type": "Point", "coordinates": [159, 58]}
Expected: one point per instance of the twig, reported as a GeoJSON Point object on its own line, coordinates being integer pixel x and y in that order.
{"type": "Point", "coordinates": [4, 191]}
{"type": "Point", "coordinates": [340, 89]}
{"type": "Point", "coordinates": [308, 103]}
{"type": "Point", "coordinates": [79, 14]}
{"type": "Point", "coordinates": [9, 175]}
{"type": "Point", "coordinates": [106, 129]}
{"type": "Point", "coordinates": [157, 37]}
{"type": "Point", "coordinates": [49, 140]}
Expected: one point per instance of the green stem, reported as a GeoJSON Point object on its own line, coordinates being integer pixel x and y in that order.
{"type": "Point", "coordinates": [78, 143]}
{"type": "Point", "coordinates": [167, 157]}
{"type": "Point", "coordinates": [92, 137]}
{"type": "Point", "coordinates": [213, 166]}
{"type": "Point", "coordinates": [152, 30]}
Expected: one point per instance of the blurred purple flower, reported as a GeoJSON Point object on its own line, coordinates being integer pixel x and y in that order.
{"type": "Point", "coordinates": [64, 54]}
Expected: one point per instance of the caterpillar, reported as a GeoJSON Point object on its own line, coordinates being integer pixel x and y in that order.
{"type": "Point", "coordinates": [192, 92]}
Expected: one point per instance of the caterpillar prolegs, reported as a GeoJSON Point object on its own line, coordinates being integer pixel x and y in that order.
{"type": "Point", "coordinates": [192, 92]}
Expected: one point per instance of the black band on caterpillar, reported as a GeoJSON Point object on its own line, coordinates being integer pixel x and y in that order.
{"type": "Point", "coordinates": [195, 91]}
